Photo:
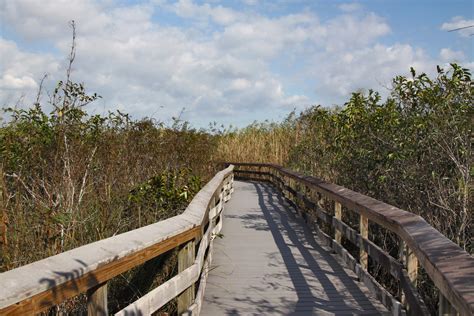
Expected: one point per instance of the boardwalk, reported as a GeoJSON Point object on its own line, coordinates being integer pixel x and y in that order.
{"type": "Point", "coordinates": [269, 263]}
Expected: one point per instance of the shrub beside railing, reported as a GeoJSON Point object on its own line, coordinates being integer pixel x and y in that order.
{"type": "Point", "coordinates": [40, 285]}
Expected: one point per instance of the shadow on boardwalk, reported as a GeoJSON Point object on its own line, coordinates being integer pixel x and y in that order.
{"type": "Point", "coordinates": [278, 267]}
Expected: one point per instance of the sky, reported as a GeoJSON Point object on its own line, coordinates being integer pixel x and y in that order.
{"type": "Point", "coordinates": [230, 62]}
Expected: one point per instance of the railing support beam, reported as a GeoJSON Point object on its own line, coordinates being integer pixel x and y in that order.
{"type": "Point", "coordinates": [364, 232]}
{"type": "Point", "coordinates": [412, 266]}
{"type": "Point", "coordinates": [445, 307]}
{"type": "Point", "coordinates": [97, 300]}
{"type": "Point", "coordinates": [338, 215]}
{"type": "Point", "coordinates": [186, 257]}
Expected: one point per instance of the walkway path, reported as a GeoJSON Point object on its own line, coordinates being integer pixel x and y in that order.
{"type": "Point", "coordinates": [269, 263]}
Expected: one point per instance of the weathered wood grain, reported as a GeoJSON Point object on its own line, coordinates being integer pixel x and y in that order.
{"type": "Point", "coordinates": [364, 233]}
{"type": "Point", "coordinates": [161, 295]}
{"type": "Point", "coordinates": [185, 260]}
{"type": "Point", "coordinates": [189, 268]}
{"type": "Point", "coordinates": [97, 301]}
{"type": "Point", "coordinates": [338, 215]}
{"type": "Point", "coordinates": [53, 284]}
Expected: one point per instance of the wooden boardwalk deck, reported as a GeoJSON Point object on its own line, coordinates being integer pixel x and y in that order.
{"type": "Point", "coordinates": [269, 263]}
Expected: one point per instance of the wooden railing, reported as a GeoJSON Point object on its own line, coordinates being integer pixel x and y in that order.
{"type": "Point", "coordinates": [450, 268]}
{"type": "Point", "coordinates": [40, 285]}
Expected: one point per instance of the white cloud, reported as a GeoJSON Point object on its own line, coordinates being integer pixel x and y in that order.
{"type": "Point", "coordinates": [218, 14]}
{"type": "Point", "coordinates": [449, 55]}
{"type": "Point", "coordinates": [225, 64]}
{"type": "Point", "coordinates": [350, 7]}
{"type": "Point", "coordinates": [462, 26]}
{"type": "Point", "coordinates": [240, 84]}
{"type": "Point", "coordinates": [347, 32]}
{"type": "Point", "coordinates": [21, 72]}
{"type": "Point", "coordinates": [368, 67]}
{"type": "Point", "coordinates": [40, 20]}
{"type": "Point", "coordinates": [138, 65]}
{"type": "Point", "coordinates": [11, 82]}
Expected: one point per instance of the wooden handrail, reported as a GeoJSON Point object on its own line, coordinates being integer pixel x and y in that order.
{"type": "Point", "coordinates": [450, 267]}
{"type": "Point", "coordinates": [37, 286]}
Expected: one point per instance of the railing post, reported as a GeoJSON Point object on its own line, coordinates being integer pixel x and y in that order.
{"type": "Point", "coordinates": [286, 194]}
{"type": "Point", "coordinates": [402, 257]}
{"type": "Point", "coordinates": [186, 256]}
{"type": "Point", "coordinates": [445, 308]}
{"type": "Point", "coordinates": [364, 232]}
{"type": "Point", "coordinates": [412, 269]}
{"type": "Point", "coordinates": [307, 194]}
{"type": "Point", "coordinates": [280, 183]}
{"type": "Point", "coordinates": [410, 262]}
{"type": "Point", "coordinates": [338, 215]}
{"type": "Point", "coordinates": [97, 300]}
{"type": "Point", "coordinates": [288, 184]}
{"type": "Point", "coordinates": [231, 186]}
{"type": "Point", "coordinates": [412, 265]}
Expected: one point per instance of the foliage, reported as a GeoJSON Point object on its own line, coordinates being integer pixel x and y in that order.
{"type": "Point", "coordinates": [412, 150]}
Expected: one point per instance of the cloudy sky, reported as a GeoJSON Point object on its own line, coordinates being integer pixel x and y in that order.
{"type": "Point", "coordinates": [232, 62]}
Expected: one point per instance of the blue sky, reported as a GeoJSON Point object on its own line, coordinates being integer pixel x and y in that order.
{"type": "Point", "coordinates": [231, 62]}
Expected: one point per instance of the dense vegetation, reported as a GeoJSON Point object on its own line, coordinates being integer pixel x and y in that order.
{"type": "Point", "coordinates": [413, 150]}
{"type": "Point", "coordinates": [68, 178]}
{"type": "Point", "coordinates": [72, 179]}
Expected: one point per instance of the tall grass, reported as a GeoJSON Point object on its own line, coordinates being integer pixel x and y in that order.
{"type": "Point", "coordinates": [259, 142]}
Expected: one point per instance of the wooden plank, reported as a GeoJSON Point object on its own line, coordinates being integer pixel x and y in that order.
{"type": "Point", "coordinates": [164, 293]}
{"type": "Point", "coordinates": [158, 297]}
{"type": "Point", "coordinates": [364, 233]}
{"type": "Point", "coordinates": [391, 265]}
{"type": "Point", "coordinates": [338, 215]}
{"type": "Point", "coordinates": [195, 308]}
{"type": "Point", "coordinates": [416, 306]}
{"type": "Point", "coordinates": [185, 260]}
{"type": "Point", "coordinates": [376, 288]}
{"type": "Point", "coordinates": [383, 258]}
{"type": "Point", "coordinates": [445, 307]}
{"type": "Point", "coordinates": [199, 206]}
{"type": "Point", "coordinates": [412, 266]}
{"type": "Point", "coordinates": [97, 301]}
{"type": "Point", "coordinates": [79, 282]}
{"type": "Point", "coordinates": [217, 228]}
{"type": "Point", "coordinates": [403, 260]}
